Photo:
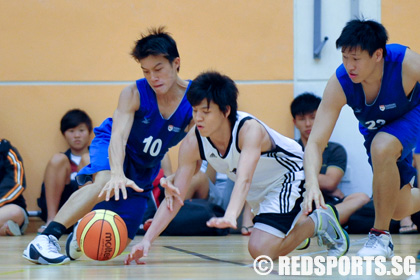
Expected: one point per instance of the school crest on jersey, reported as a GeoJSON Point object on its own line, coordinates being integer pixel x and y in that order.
{"type": "Point", "coordinates": [387, 107]}
{"type": "Point", "coordinates": [173, 128]}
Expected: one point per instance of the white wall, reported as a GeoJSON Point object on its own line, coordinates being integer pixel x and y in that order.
{"type": "Point", "coordinates": [312, 75]}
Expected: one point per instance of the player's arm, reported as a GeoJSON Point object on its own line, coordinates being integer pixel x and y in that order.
{"type": "Point", "coordinates": [411, 70]}
{"type": "Point", "coordinates": [166, 165]}
{"type": "Point", "coordinates": [188, 157]}
{"type": "Point", "coordinates": [326, 117]}
{"type": "Point", "coordinates": [253, 139]}
{"type": "Point", "coordinates": [128, 104]}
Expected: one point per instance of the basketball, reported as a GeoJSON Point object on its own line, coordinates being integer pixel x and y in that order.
{"type": "Point", "coordinates": [102, 235]}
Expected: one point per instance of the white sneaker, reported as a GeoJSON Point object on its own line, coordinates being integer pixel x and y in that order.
{"type": "Point", "coordinates": [378, 245]}
{"type": "Point", "coordinates": [44, 250]}
{"type": "Point", "coordinates": [73, 250]}
{"type": "Point", "coordinates": [330, 232]}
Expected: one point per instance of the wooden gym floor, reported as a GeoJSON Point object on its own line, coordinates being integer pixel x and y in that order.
{"type": "Point", "coordinates": [223, 257]}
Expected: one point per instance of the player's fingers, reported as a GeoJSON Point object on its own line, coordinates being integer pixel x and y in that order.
{"type": "Point", "coordinates": [117, 193]}
{"type": "Point", "coordinates": [308, 206]}
{"type": "Point", "coordinates": [175, 190]}
{"type": "Point", "coordinates": [322, 203]}
{"type": "Point", "coordinates": [316, 201]}
{"type": "Point", "coordinates": [124, 192]}
{"type": "Point", "coordinates": [179, 199]}
{"type": "Point", "coordinates": [211, 222]}
{"type": "Point", "coordinates": [134, 186]}
{"type": "Point", "coordinates": [169, 202]}
{"type": "Point", "coordinates": [101, 193]}
{"type": "Point", "coordinates": [145, 251]}
{"type": "Point", "coordinates": [127, 259]}
{"type": "Point", "coordinates": [163, 182]}
{"type": "Point", "coordinates": [108, 194]}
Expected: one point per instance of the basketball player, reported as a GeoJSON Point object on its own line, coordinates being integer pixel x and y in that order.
{"type": "Point", "coordinates": [265, 166]}
{"type": "Point", "coordinates": [153, 114]}
{"type": "Point", "coordinates": [380, 83]}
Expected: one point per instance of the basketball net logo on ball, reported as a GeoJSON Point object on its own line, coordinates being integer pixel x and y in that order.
{"type": "Point", "coordinates": [102, 235]}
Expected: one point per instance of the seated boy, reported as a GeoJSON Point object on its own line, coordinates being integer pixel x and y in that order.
{"type": "Point", "coordinates": [59, 178]}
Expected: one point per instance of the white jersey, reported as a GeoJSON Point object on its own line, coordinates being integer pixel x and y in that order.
{"type": "Point", "coordinates": [277, 169]}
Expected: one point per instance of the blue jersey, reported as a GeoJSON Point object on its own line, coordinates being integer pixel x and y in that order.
{"type": "Point", "coordinates": [150, 138]}
{"type": "Point", "coordinates": [152, 135]}
{"type": "Point", "coordinates": [391, 102]}
{"type": "Point", "coordinates": [391, 112]}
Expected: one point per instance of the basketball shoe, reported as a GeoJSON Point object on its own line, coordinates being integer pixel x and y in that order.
{"type": "Point", "coordinates": [305, 244]}
{"type": "Point", "coordinates": [379, 243]}
{"type": "Point", "coordinates": [330, 232]}
{"type": "Point", "coordinates": [45, 250]}
{"type": "Point", "coordinates": [73, 250]}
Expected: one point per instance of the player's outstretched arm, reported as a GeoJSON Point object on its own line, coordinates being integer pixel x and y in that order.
{"type": "Point", "coordinates": [411, 70]}
{"type": "Point", "coordinates": [128, 104]}
{"type": "Point", "coordinates": [188, 157]}
{"type": "Point", "coordinates": [253, 139]}
{"type": "Point", "coordinates": [326, 117]}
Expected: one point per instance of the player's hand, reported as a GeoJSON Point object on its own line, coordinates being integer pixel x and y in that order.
{"type": "Point", "coordinates": [171, 192]}
{"type": "Point", "coordinates": [117, 183]}
{"type": "Point", "coordinates": [312, 194]}
{"type": "Point", "coordinates": [223, 222]}
{"type": "Point", "coordinates": [138, 251]}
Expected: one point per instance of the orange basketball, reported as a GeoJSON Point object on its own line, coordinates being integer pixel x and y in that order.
{"type": "Point", "coordinates": [102, 235]}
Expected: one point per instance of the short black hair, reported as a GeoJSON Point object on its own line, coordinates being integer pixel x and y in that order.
{"type": "Point", "coordinates": [215, 87]}
{"type": "Point", "coordinates": [156, 42]}
{"type": "Point", "coordinates": [73, 118]}
{"type": "Point", "coordinates": [369, 35]}
{"type": "Point", "coordinates": [304, 103]}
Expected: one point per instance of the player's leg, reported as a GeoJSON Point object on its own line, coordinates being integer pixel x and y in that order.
{"type": "Point", "coordinates": [83, 200]}
{"type": "Point", "coordinates": [385, 150]}
{"type": "Point", "coordinates": [391, 156]}
{"type": "Point", "coordinates": [291, 228]}
{"type": "Point", "coordinates": [408, 202]}
{"type": "Point", "coordinates": [274, 243]}
{"type": "Point", "coordinates": [57, 175]}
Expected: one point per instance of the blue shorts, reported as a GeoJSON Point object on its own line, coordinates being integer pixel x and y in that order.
{"type": "Point", "coordinates": [407, 130]}
{"type": "Point", "coordinates": [98, 150]}
{"type": "Point", "coordinates": [131, 210]}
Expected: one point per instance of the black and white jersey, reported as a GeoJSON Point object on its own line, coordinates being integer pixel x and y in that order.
{"type": "Point", "coordinates": [277, 169]}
